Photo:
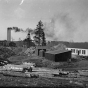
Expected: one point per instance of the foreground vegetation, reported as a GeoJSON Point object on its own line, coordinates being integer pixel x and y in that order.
{"type": "Point", "coordinates": [8, 81]}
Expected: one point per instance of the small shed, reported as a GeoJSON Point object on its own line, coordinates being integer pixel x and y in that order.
{"type": "Point", "coordinates": [41, 53]}
{"type": "Point", "coordinates": [38, 48]}
{"type": "Point", "coordinates": [58, 55]}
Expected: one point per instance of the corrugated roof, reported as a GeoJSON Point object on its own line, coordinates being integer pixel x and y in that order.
{"type": "Point", "coordinates": [57, 51]}
{"type": "Point", "coordinates": [78, 45]}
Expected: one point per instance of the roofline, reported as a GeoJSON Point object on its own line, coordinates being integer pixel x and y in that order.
{"type": "Point", "coordinates": [76, 48]}
{"type": "Point", "coordinates": [58, 51]}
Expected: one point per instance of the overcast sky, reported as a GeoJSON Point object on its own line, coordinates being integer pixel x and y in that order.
{"type": "Point", "coordinates": [63, 19]}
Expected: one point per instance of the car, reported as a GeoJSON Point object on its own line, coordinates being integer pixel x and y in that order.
{"type": "Point", "coordinates": [27, 69]}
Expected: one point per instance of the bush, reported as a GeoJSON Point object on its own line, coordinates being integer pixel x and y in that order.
{"type": "Point", "coordinates": [12, 44]}
{"type": "Point", "coordinates": [5, 52]}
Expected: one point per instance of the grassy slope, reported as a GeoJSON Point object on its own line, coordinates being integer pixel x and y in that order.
{"type": "Point", "coordinates": [42, 62]}
{"type": "Point", "coordinates": [39, 61]}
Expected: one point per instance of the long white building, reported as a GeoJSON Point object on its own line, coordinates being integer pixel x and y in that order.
{"type": "Point", "coordinates": [78, 48]}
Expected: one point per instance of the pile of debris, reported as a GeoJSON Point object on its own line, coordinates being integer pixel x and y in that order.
{"type": "Point", "coordinates": [30, 51]}
{"type": "Point", "coordinates": [24, 51]}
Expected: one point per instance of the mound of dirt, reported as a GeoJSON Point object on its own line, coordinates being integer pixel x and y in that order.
{"type": "Point", "coordinates": [24, 51]}
{"type": "Point", "coordinates": [30, 51]}
{"type": "Point", "coordinates": [58, 47]}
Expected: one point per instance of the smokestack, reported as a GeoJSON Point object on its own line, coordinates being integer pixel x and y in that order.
{"type": "Point", "coordinates": [9, 34]}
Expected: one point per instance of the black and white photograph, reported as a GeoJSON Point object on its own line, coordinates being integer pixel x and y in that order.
{"type": "Point", "coordinates": [44, 43]}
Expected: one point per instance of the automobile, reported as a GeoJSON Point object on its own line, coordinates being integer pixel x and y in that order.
{"type": "Point", "coordinates": [27, 69]}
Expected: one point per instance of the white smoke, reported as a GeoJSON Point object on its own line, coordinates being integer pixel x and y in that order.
{"type": "Point", "coordinates": [60, 28]}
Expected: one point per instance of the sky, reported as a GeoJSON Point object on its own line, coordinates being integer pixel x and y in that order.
{"type": "Point", "coordinates": [64, 20]}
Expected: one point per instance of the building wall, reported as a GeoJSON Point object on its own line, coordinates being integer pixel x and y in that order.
{"type": "Point", "coordinates": [37, 51]}
{"type": "Point", "coordinates": [50, 56]}
{"type": "Point", "coordinates": [63, 56]}
{"type": "Point", "coordinates": [77, 51]}
{"type": "Point", "coordinates": [41, 53]}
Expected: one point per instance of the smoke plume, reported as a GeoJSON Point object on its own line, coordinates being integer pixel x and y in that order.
{"type": "Point", "coordinates": [61, 27]}
{"type": "Point", "coordinates": [16, 29]}
{"type": "Point", "coordinates": [29, 30]}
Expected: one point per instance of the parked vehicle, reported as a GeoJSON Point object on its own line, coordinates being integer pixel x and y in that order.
{"type": "Point", "coordinates": [27, 69]}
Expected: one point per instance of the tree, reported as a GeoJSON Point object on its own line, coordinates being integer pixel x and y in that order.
{"type": "Point", "coordinates": [43, 39]}
{"type": "Point", "coordinates": [12, 44]}
{"type": "Point", "coordinates": [39, 34]}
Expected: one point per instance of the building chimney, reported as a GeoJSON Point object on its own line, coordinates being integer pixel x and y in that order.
{"type": "Point", "coordinates": [9, 34]}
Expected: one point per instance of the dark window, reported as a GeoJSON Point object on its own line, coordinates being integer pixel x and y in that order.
{"type": "Point", "coordinates": [83, 51]}
{"type": "Point", "coordinates": [76, 51]}
{"type": "Point", "coordinates": [79, 51]}
{"type": "Point", "coordinates": [73, 50]}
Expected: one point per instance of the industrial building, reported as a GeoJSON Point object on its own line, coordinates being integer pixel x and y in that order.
{"type": "Point", "coordinates": [9, 34]}
{"type": "Point", "coordinates": [58, 55]}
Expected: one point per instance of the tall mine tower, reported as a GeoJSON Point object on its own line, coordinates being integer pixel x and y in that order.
{"type": "Point", "coordinates": [9, 34]}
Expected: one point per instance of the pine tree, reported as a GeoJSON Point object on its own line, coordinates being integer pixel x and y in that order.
{"type": "Point", "coordinates": [43, 39]}
{"type": "Point", "coordinates": [39, 34]}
